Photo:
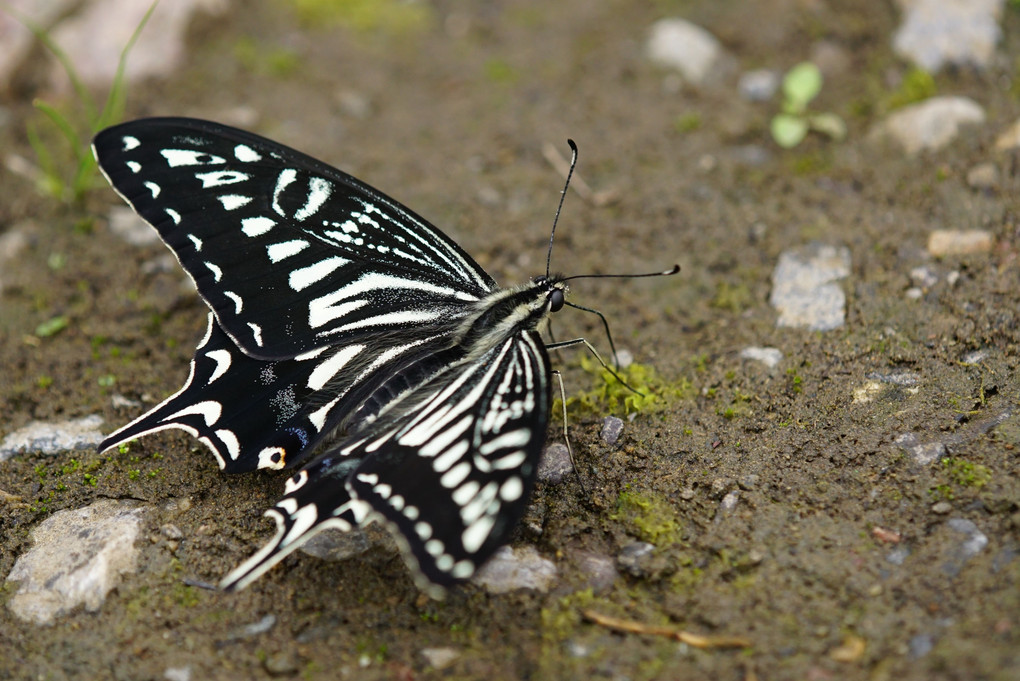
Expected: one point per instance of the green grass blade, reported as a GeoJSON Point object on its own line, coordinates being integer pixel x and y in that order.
{"type": "Point", "coordinates": [113, 110]}
{"type": "Point", "coordinates": [43, 36]}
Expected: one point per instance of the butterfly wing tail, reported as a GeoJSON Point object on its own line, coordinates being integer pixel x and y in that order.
{"type": "Point", "coordinates": [304, 511]}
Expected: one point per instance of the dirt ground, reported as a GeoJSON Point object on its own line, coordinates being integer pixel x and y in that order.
{"type": "Point", "coordinates": [450, 117]}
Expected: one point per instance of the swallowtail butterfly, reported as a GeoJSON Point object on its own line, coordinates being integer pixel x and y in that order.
{"type": "Point", "coordinates": [336, 310]}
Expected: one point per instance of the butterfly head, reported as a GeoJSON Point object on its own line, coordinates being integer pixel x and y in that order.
{"type": "Point", "coordinates": [556, 290]}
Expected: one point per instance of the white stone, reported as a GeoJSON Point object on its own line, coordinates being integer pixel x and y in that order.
{"type": "Point", "coordinates": [94, 38]}
{"type": "Point", "coordinates": [935, 33]}
{"type": "Point", "coordinates": [76, 558]}
{"type": "Point", "coordinates": [931, 124]}
{"type": "Point", "coordinates": [686, 47]}
{"type": "Point", "coordinates": [804, 288]}
{"type": "Point", "coordinates": [50, 438]}
{"type": "Point", "coordinates": [770, 357]}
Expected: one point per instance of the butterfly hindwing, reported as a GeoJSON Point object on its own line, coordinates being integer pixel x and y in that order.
{"type": "Point", "coordinates": [257, 414]}
{"type": "Point", "coordinates": [289, 253]}
{"type": "Point", "coordinates": [450, 474]}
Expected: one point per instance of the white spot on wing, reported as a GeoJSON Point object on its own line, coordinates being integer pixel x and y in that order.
{"type": "Point", "coordinates": [318, 191]}
{"type": "Point", "coordinates": [306, 276]}
{"type": "Point", "coordinates": [218, 178]}
{"type": "Point", "coordinates": [152, 187]}
{"type": "Point", "coordinates": [209, 410]}
{"type": "Point", "coordinates": [130, 142]}
{"type": "Point", "coordinates": [273, 458]}
{"type": "Point", "coordinates": [216, 271]}
{"type": "Point", "coordinates": [174, 215]}
{"type": "Point", "coordinates": [238, 302]}
{"type": "Point", "coordinates": [287, 176]}
{"type": "Point", "coordinates": [243, 152]}
{"type": "Point", "coordinates": [188, 157]}
{"type": "Point", "coordinates": [222, 359]}
{"type": "Point", "coordinates": [327, 369]}
{"type": "Point", "coordinates": [256, 333]}
{"type": "Point", "coordinates": [285, 249]}
{"type": "Point", "coordinates": [229, 441]}
{"type": "Point", "coordinates": [257, 226]}
{"type": "Point", "coordinates": [455, 475]}
{"type": "Point", "coordinates": [476, 533]}
{"type": "Point", "coordinates": [234, 201]}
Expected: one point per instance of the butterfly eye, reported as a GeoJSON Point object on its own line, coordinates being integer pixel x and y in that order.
{"type": "Point", "coordinates": [556, 300]}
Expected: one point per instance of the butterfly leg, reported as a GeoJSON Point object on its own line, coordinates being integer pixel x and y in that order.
{"type": "Point", "coordinates": [566, 437]}
{"type": "Point", "coordinates": [591, 348]}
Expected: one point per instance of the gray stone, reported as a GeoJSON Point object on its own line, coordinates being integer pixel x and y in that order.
{"type": "Point", "coordinates": [971, 542]}
{"type": "Point", "coordinates": [923, 454]}
{"type": "Point", "coordinates": [51, 438]}
{"type": "Point", "coordinates": [759, 85]}
{"type": "Point", "coordinates": [728, 503]}
{"type": "Point", "coordinates": [804, 289]}
{"type": "Point", "coordinates": [555, 464]}
{"type": "Point", "coordinates": [76, 558]}
{"type": "Point", "coordinates": [599, 569]}
{"type": "Point", "coordinates": [635, 557]}
{"type": "Point", "coordinates": [510, 569]}
{"type": "Point", "coordinates": [928, 125]}
{"type": "Point", "coordinates": [920, 645]}
{"type": "Point", "coordinates": [936, 33]}
{"type": "Point", "coordinates": [335, 544]}
{"type": "Point", "coordinates": [612, 426]}
{"type": "Point", "coordinates": [898, 555]}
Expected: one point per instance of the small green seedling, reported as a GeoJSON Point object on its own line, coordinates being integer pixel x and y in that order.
{"type": "Point", "coordinates": [801, 84]}
{"type": "Point", "coordinates": [52, 181]}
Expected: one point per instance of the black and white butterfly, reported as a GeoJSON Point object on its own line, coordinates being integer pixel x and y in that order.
{"type": "Point", "coordinates": [339, 315]}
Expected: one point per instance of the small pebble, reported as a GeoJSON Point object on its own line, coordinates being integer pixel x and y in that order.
{"type": "Point", "coordinates": [759, 85]}
{"type": "Point", "coordinates": [440, 658]}
{"type": "Point", "coordinates": [633, 558]}
{"type": "Point", "coordinates": [943, 242]}
{"type": "Point", "coordinates": [611, 429]}
{"type": "Point", "coordinates": [983, 176]}
{"type": "Point", "coordinates": [942, 508]}
{"type": "Point", "coordinates": [898, 555]}
{"type": "Point", "coordinates": [770, 357]}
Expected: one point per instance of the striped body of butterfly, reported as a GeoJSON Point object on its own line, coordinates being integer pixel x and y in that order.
{"type": "Point", "coordinates": [338, 314]}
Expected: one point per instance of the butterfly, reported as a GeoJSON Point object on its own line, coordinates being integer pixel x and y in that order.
{"type": "Point", "coordinates": [339, 316]}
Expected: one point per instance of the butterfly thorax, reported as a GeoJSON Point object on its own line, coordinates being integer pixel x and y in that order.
{"type": "Point", "coordinates": [507, 312]}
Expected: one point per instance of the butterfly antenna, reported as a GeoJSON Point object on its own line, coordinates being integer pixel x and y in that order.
{"type": "Point", "coordinates": [563, 195]}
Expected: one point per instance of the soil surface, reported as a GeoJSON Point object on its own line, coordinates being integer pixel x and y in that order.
{"type": "Point", "coordinates": [782, 504]}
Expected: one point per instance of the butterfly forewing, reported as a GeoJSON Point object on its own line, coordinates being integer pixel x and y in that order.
{"type": "Point", "coordinates": [290, 254]}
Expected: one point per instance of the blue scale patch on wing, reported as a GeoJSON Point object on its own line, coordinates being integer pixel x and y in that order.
{"type": "Point", "coordinates": [448, 467]}
{"type": "Point", "coordinates": [290, 254]}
